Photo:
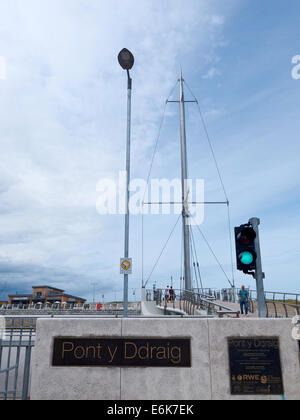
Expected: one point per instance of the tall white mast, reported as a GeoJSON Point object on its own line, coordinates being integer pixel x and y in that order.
{"type": "Point", "coordinates": [185, 191]}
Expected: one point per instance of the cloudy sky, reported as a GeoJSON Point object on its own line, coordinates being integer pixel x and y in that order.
{"type": "Point", "coordinates": [63, 128]}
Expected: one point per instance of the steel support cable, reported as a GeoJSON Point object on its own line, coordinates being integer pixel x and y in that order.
{"type": "Point", "coordinates": [219, 174]}
{"type": "Point", "coordinates": [157, 139]}
{"type": "Point", "coordinates": [142, 248]}
{"type": "Point", "coordinates": [193, 253]}
{"type": "Point", "coordinates": [230, 241]}
{"type": "Point", "coordinates": [214, 255]}
{"type": "Point", "coordinates": [193, 240]}
{"type": "Point", "coordinates": [164, 247]}
{"type": "Point", "coordinates": [191, 260]}
{"type": "Point", "coordinates": [209, 141]}
{"type": "Point", "coordinates": [149, 174]}
{"type": "Point", "coordinates": [181, 268]}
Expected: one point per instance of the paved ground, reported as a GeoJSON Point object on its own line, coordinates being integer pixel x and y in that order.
{"type": "Point", "coordinates": [236, 307]}
{"type": "Point", "coordinates": [180, 305]}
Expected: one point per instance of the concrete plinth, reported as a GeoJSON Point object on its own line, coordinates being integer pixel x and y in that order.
{"type": "Point", "coordinates": [207, 379]}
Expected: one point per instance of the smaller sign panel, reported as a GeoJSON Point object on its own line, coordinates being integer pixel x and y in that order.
{"type": "Point", "coordinates": [126, 266]}
{"type": "Point", "coordinates": [255, 366]}
{"type": "Point", "coordinates": [121, 352]}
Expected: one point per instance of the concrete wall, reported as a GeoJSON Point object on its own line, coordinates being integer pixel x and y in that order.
{"type": "Point", "coordinates": [209, 377]}
{"type": "Point", "coordinates": [151, 309]}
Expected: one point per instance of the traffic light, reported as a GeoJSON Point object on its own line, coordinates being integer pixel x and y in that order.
{"type": "Point", "coordinates": [245, 248]}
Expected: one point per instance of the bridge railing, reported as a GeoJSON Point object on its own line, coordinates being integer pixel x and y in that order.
{"type": "Point", "coordinates": [16, 347]}
{"type": "Point", "coordinates": [191, 302]}
{"type": "Point", "coordinates": [27, 310]}
{"type": "Point", "coordinates": [278, 304]}
{"type": "Point", "coordinates": [136, 311]}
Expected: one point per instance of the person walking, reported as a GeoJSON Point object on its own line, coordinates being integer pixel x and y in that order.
{"type": "Point", "coordinates": [167, 294]}
{"type": "Point", "coordinates": [244, 300]}
{"type": "Point", "coordinates": [172, 297]}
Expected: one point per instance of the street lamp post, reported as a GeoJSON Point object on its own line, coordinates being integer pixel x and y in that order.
{"type": "Point", "coordinates": [126, 61]}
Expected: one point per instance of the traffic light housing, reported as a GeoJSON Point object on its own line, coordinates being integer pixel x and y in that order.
{"type": "Point", "coordinates": [246, 254]}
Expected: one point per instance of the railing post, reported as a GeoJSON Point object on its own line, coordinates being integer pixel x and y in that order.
{"type": "Point", "coordinates": [26, 373]}
{"type": "Point", "coordinates": [286, 311]}
{"type": "Point", "coordinates": [276, 314]}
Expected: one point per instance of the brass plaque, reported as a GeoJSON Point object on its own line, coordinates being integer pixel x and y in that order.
{"type": "Point", "coordinates": [255, 366]}
{"type": "Point", "coordinates": [121, 352]}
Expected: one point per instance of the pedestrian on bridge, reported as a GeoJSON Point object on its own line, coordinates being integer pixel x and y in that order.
{"type": "Point", "coordinates": [167, 294]}
{"type": "Point", "coordinates": [172, 294]}
{"type": "Point", "coordinates": [244, 299]}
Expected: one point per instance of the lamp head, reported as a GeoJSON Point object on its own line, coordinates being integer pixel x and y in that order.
{"type": "Point", "coordinates": [126, 59]}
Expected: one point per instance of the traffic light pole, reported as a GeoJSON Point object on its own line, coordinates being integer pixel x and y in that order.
{"type": "Point", "coordinates": [259, 275]}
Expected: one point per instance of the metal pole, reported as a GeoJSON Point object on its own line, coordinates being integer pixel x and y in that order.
{"type": "Point", "coordinates": [259, 275]}
{"type": "Point", "coordinates": [185, 198]}
{"type": "Point", "coordinates": [126, 247]}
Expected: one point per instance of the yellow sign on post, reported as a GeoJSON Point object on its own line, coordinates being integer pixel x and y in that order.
{"type": "Point", "coordinates": [126, 266]}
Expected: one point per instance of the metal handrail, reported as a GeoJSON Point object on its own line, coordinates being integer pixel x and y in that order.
{"type": "Point", "coordinates": [278, 304]}
{"type": "Point", "coordinates": [209, 304]}
{"type": "Point", "coordinates": [287, 302]}
{"type": "Point", "coordinates": [189, 301]}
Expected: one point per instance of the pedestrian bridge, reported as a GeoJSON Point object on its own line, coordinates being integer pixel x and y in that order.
{"type": "Point", "coordinates": [218, 303]}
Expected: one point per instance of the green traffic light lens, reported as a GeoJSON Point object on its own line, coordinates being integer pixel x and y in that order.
{"type": "Point", "coordinates": [246, 258]}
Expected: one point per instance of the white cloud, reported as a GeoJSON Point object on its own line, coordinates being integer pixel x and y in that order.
{"type": "Point", "coordinates": [63, 118]}
{"type": "Point", "coordinates": [63, 121]}
{"type": "Point", "coordinates": [213, 72]}
{"type": "Point", "coordinates": [216, 20]}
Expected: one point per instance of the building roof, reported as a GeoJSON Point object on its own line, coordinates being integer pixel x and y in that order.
{"type": "Point", "coordinates": [53, 295]}
{"type": "Point", "coordinates": [47, 287]}
{"type": "Point", "coordinates": [75, 297]}
{"type": "Point", "coordinates": [66, 295]}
